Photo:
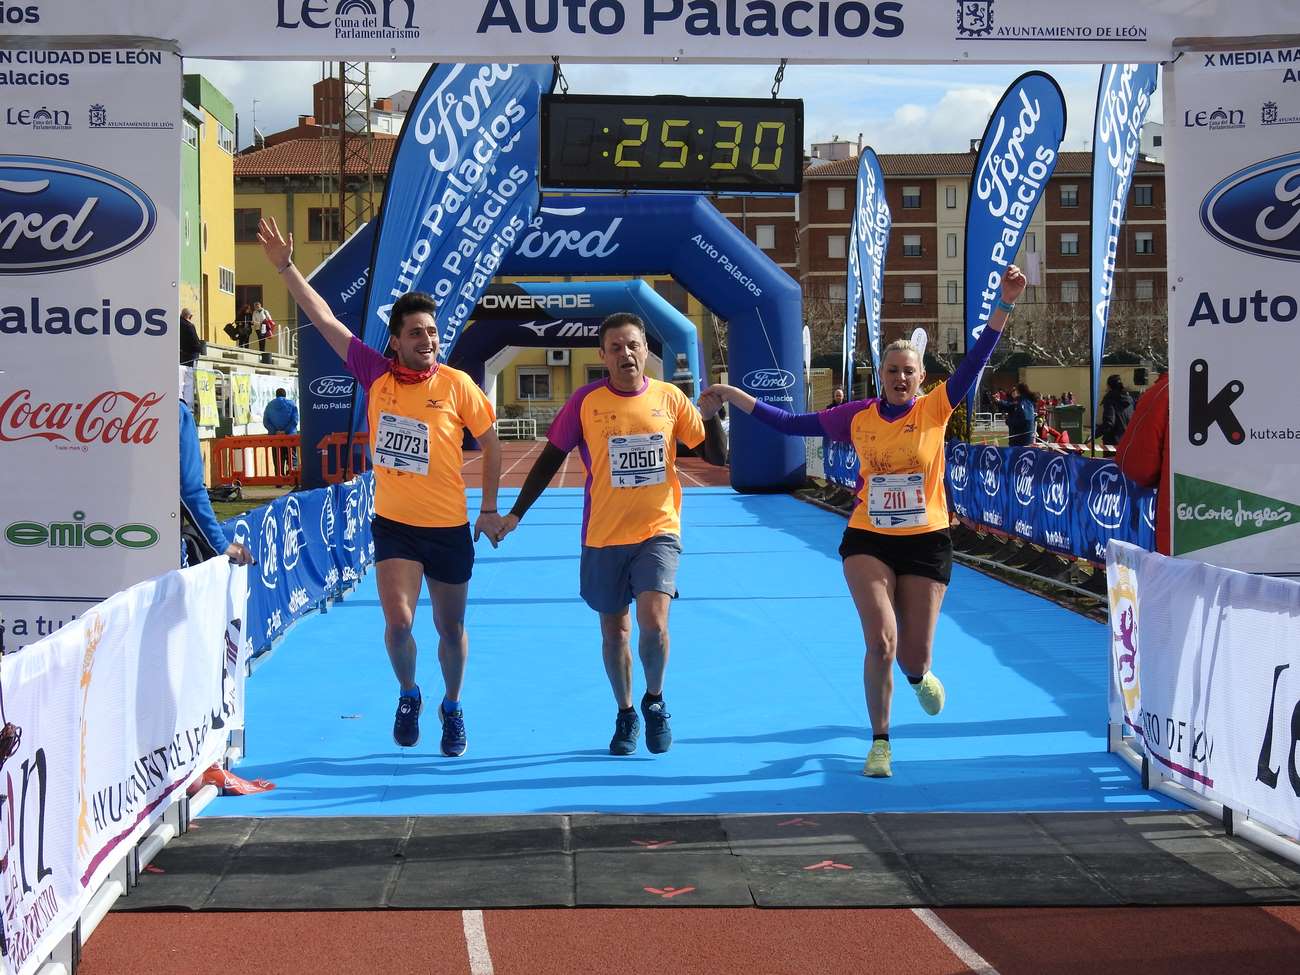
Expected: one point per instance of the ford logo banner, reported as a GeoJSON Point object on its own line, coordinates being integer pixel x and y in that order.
{"type": "Point", "coordinates": [765, 379]}
{"type": "Point", "coordinates": [1257, 209]}
{"type": "Point", "coordinates": [331, 386]}
{"type": "Point", "coordinates": [56, 215]}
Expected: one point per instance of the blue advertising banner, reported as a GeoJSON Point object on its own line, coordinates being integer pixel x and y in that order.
{"type": "Point", "coordinates": [840, 461]}
{"type": "Point", "coordinates": [871, 241]}
{"type": "Point", "coordinates": [461, 191]}
{"type": "Point", "coordinates": [1123, 98]}
{"type": "Point", "coordinates": [1064, 502]}
{"type": "Point", "coordinates": [989, 489]}
{"type": "Point", "coordinates": [1017, 156]}
{"type": "Point", "coordinates": [1109, 506]}
{"type": "Point", "coordinates": [324, 386]}
{"type": "Point", "coordinates": [309, 545]}
{"type": "Point", "coordinates": [1054, 520]}
{"type": "Point", "coordinates": [852, 294]}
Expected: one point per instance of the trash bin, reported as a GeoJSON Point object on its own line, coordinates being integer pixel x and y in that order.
{"type": "Point", "coordinates": [1069, 419]}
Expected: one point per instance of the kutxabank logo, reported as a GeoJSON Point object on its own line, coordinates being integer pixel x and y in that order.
{"type": "Point", "coordinates": [1257, 209]}
{"type": "Point", "coordinates": [58, 215]}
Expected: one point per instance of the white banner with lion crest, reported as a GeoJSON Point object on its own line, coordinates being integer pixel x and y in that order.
{"type": "Point", "coordinates": [1206, 675]}
{"type": "Point", "coordinates": [106, 722]}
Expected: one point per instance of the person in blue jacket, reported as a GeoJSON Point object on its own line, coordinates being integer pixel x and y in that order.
{"type": "Point", "coordinates": [194, 498]}
{"type": "Point", "coordinates": [1022, 416]}
{"type": "Point", "coordinates": [281, 417]}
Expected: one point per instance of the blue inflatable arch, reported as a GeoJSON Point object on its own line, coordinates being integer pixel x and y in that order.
{"type": "Point", "coordinates": [679, 234]}
{"type": "Point", "coordinates": [684, 235]}
{"type": "Point", "coordinates": [531, 323]}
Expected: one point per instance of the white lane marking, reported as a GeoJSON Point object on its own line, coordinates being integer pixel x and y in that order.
{"type": "Point", "coordinates": [480, 962]}
{"type": "Point", "coordinates": [683, 472]}
{"type": "Point", "coordinates": [964, 952]}
{"type": "Point", "coordinates": [522, 457]}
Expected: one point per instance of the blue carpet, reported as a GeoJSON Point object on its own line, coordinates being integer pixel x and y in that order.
{"type": "Point", "coordinates": [764, 683]}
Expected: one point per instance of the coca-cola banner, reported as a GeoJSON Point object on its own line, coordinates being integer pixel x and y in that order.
{"type": "Point", "coordinates": [89, 259]}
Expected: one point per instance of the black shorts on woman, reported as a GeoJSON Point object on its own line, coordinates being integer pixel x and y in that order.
{"type": "Point", "coordinates": [927, 554]}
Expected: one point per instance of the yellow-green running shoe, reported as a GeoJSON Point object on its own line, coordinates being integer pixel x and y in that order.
{"type": "Point", "coordinates": [930, 693]}
{"type": "Point", "coordinates": [877, 766]}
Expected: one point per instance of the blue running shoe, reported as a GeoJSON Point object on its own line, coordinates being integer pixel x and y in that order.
{"type": "Point", "coordinates": [453, 732]}
{"type": "Point", "coordinates": [627, 727]}
{"type": "Point", "coordinates": [406, 726]}
{"type": "Point", "coordinates": [658, 734]}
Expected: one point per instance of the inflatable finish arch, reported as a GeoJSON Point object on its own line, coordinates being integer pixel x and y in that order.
{"type": "Point", "coordinates": [585, 304]}
{"type": "Point", "coordinates": [679, 234]}
{"type": "Point", "coordinates": [684, 235]}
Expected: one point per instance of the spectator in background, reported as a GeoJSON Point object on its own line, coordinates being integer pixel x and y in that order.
{"type": "Point", "coordinates": [204, 539]}
{"type": "Point", "coordinates": [190, 342]}
{"type": "Point", "coordinates": [1143, 453]}
{"type": "Point", "coordinates": [1022, 416]}
{"type": "Point", "coordinates": [263, 325]}
{"type": "Point", "coordinates": [244, 327]}
{"type": "Point", "coordinates": [1116, 410]}
{"type": "Point", "coordinates": [837, 397]}
{"type": "Point", "coordinates": [281, 418]}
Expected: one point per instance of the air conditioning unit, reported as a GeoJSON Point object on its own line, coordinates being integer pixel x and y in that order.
{"type": "Point", "coordinates": [557, 357]}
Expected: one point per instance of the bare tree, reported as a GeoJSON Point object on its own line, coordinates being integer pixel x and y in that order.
{"type": "Point", "coordinates": [1140, 328]}
{"type": "Point", "coordinates": [824, 317]}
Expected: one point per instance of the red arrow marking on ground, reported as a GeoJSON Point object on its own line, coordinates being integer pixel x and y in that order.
{"type": "Point", "coordinates": [667, 892]}
{"type": "Point", "coordinates": [654, 844]}
{"type": "Point", "coordinates": [828, 865]}
{"type": "Point", "coordinates": [798, 821]}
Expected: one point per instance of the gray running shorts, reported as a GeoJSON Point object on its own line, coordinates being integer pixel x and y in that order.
{"type": "Point", "coordinates": [614, 575]}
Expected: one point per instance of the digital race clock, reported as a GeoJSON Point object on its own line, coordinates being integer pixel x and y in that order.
{"type": "Point", "coordinates": [668, 142]}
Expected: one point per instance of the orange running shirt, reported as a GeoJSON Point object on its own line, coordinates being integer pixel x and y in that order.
{"type": "Point", "coordinates": [628, 443]}
{"type": "Point", "coordinates": [900, 475]}
{"type": "Point", "coordinates": [415, 438]}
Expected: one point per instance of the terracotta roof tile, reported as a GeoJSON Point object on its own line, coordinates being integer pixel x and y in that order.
{"type": "Point", "coordinates": [950, 164]}
{"type": "Point", "coordinates": [310, 157]}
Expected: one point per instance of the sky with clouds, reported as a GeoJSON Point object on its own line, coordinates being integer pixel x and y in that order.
{"type": "Point", "coordinates": [897, 108]}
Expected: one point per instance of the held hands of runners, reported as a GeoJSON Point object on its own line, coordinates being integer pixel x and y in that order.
{"type": "Point", "coordinates": [508, 524]}
{"type": "Point", "coordinates": [239, 554]}
{"type": "Point", "coordinates": [713, 399]}
{"type": "Point", "coordinates": [278, 250]}
{"type": "Point", "coordinates": [489, 524]}
{"type": "Point", "coordinates": [1013, 284]}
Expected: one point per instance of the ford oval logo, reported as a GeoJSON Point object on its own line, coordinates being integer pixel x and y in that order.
{"type": "Point", "coordinates": [762, 379]}
{"type": "Point", "coordinates": [1257, 209]}
{"type": "Point", "coordinates": [56, 215]}
{"type": "Point", "coordinates": [331, 386]}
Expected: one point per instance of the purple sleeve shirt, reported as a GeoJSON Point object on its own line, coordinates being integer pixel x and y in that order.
{"type": "Point", "coordinates": [365, 364]}
{"type": "Point", "coordinates": [566, 429]}
{"type": "Point", "coordinates": [968, 370]}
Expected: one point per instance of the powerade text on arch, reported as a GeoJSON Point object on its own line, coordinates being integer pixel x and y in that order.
{"type": "Point", "coordinates": [699, 18]}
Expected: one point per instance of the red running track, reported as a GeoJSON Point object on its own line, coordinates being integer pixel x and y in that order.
{"type": "Point", "coordinates": [1024, 941]}
{"type": "Point", "coordinates": [517, 460]}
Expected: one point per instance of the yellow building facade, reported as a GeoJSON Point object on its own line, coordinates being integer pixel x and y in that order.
{"type": "Point", "coordinates": [215, 146]}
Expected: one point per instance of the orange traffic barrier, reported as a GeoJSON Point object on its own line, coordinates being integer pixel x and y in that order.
{"type": "Point", "coordinates": [332, 448]}
{"type": "Point", "coordinates": [266, 460]}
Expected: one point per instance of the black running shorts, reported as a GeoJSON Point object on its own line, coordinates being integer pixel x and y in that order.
{"type": "Point", "coordinates": [928, 554]}
{"type": "Point", "coordinates": [447, 554]}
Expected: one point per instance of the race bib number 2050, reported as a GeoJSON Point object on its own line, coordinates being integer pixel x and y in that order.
{"type": "Point", "coordinates": [638, 460]}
